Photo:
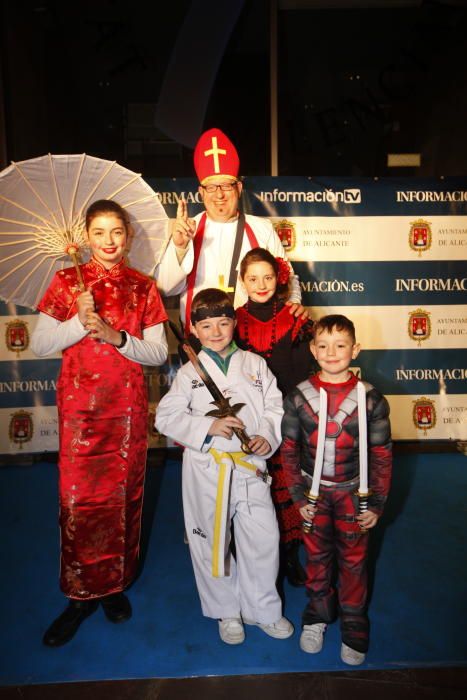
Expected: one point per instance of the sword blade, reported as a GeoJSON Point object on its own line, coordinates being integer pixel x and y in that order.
{"type": "Point", "coordinates": [217, 395]}
{"type": "Point", "coordinates": [211, 385]}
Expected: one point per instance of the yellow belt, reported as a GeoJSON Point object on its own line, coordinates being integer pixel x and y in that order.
{"type": "Point", "coordinates": [226, 461]}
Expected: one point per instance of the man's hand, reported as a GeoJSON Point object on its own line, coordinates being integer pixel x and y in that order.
{"type": "Point", "coordinates": [183, 227]}
{"type": "Point", "coordinates": [259, 445]}
{"type": "Point", "coordinates": [367, 520]}
{"type": "Point", "coordinates": [298, 310]}
{"type": "Point", "coordinates": [85, 304]}
{"type": "Point", "coordinates": [223, 427]}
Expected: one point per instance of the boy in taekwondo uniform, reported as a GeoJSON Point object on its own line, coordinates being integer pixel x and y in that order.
{"type": "Point", "coordinates": [221, 483]}
{"type": "Point", "coordinates": [205, 251]}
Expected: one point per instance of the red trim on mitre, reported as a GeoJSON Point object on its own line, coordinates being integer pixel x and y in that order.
{"type": "Point", "coordinates": [215, 156]}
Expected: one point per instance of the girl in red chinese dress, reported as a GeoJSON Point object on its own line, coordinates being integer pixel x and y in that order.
{"type": "Point", "coordinates": [266, 327]}
{"type": "Point", "coordinates": [106, 334]}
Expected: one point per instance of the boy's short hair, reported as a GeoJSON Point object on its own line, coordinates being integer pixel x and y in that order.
{"type": "Point", "coordinates": [210, 303]}
{"type": "Point", "coordinates": [337, 321]}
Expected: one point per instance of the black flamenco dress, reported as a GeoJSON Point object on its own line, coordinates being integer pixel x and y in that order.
{"type": "Point", "coordinates": [271, 331]}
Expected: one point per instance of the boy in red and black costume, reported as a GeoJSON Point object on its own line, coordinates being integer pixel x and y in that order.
{"type": "Point", "coordinates": [338, 531]}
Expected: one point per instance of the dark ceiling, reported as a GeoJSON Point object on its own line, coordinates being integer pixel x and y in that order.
{"type": "Point", "coordinates": [356, 81]}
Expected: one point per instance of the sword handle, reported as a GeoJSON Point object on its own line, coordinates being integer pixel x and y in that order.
{"type": "Point", "coordinates": [363, 506]}
{"type": "Point", "coordinates": [307, 526]}
{"type": "Point", "coordinates": [244, 439]}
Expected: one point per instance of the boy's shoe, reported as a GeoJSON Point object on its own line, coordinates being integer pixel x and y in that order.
{"type": "Point", "coordinates": [311, 639]}
{"type": "Point", "coordinates": [282, 629]}
{"type": "Point", "coordinates": [351, 656]}
{"type": "Point", "coordinates": [231, 630]}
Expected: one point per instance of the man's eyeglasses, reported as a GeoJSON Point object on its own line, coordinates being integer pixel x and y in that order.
{"type": "Point", "coordinates": [224, 186]}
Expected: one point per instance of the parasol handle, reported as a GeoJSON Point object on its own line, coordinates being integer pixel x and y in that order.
{"type": "Point", "coordinates": [72, 251]}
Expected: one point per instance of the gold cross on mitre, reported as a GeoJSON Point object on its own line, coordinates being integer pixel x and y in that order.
{"type": "Point", "coordinates": [215, 152]}
{"type": "Point", "coordinates": [223, 287]}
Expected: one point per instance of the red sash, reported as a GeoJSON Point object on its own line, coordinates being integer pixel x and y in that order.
{"type": "Point", "coordinates": [191, 278]}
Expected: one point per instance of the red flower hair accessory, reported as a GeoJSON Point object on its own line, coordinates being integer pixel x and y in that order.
{"type": "Point", "coordinates": [283, 272]}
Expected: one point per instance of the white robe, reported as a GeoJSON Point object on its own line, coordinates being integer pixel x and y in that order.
{"type": "Point", "coordinates": [249, 587]}
{"type": "Point", "coordinates": [215, 260]}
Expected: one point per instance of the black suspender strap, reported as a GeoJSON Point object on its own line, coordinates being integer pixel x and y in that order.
{"type": "Point", "coordinates": [233, 277]}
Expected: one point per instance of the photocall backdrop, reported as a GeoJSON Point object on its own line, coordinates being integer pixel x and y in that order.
{"type": "Point", "coordinates": [388, 253]}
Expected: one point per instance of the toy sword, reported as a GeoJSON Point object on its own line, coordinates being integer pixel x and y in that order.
{"type": "Point", "coordinates": [363, 490]}
{"type": "Point", "coordinates": [222, 403]}
{"type": "Point", "coordinates": [312, 494]}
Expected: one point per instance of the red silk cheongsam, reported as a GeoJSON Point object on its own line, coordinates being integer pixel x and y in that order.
{"type": "Point", "coordinates": [102, 409]}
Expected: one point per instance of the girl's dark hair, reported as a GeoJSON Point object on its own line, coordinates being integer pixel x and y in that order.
{"type": "Point", "coordinates": [105, 206]}
{"type": "Point", "coordinates": [340, 323]}
{"type": "Point", "coordinates": [262, 255]}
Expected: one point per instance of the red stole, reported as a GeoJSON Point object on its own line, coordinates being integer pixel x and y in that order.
{"type": "Point", "coordinates": [191, 278]}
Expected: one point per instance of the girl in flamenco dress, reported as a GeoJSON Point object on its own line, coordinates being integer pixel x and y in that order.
{"type": "Point", "coordinates": [266, 327]}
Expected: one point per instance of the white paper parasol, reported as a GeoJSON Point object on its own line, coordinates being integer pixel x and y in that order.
{"type": "Point", "coordinates": [42, 206]}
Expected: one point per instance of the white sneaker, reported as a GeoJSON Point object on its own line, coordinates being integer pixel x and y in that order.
{"type": "Point", "coordinates": [351, 656]}
{"type": "Point", "coordinates": [282, 629]}
{"type": "Point", "coordinates": [311, 639]}
{"type": "Point", "coordinates": [231, 630]}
